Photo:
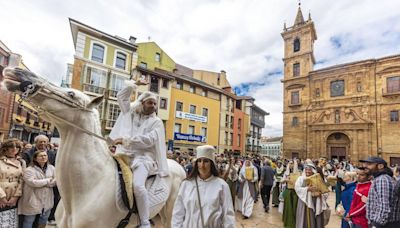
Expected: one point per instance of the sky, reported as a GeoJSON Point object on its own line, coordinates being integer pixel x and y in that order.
{"type": "Point", "coordinates": [241, 37]}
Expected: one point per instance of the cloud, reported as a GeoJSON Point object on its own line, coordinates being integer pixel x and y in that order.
{"type": "Point", "coordinates": [241, 37]}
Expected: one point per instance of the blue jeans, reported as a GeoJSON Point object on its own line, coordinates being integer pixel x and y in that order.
{"type": "Point", "coordinates": [29, 219]}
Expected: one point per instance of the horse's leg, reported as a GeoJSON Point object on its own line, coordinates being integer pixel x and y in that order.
{"type": "Point", "coordinates": [61, 218]}
{"type": "Point", "coordinates": [166, 211]}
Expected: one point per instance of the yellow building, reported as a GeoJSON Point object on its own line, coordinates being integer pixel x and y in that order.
{"type": "Point", "coordinates": [194, 114]}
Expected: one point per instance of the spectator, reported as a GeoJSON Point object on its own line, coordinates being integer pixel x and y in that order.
{"type": "Point", "coordinates": [41, 143]}
{"type": "Point", "coordinates": [347, 196]}
{"type": "Point", "coordinates": [357, 213]}
{"type": "Point", "coordinates": [266, 183]}
{"type": "Point", "coordinates": [11, 170]}
{"type": "Point", "coordinates": [203, 187]}
{"type": "Point", "coordinates": [383, 206]}
{"type": "Point", "coordinates": [37, 199]}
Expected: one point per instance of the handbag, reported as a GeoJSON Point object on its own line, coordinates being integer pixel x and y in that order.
{"type": "Point", "coordinates": [8, 217]}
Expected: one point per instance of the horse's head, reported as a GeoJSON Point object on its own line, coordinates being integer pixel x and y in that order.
{"type": "Point", "coordinates": [53, 101]}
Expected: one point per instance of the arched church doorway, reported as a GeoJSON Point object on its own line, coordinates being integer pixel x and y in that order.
{"type": "Point", "coordinates": [338, 145]}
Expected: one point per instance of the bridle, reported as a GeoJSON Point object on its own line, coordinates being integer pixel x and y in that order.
{"type": "Point", "coordinates": [31, 90]}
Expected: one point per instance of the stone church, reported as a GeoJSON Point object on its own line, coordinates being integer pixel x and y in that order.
{"type": "Point", "coordinates": [348, 111]}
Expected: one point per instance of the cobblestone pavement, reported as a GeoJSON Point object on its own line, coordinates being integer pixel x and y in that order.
{"type": "Point", "coordinates": [268, 220]}
{"type": "Point", "coordinates": [273, 219]}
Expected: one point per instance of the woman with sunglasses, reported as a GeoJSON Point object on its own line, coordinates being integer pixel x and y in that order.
{"type": "Point", "coordinates": [11, 170]}
{"type": "Point", "coordinates": [204, 199]}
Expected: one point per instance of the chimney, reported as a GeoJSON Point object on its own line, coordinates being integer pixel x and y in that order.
{"type": "Point", "coordinates": [132, 40]}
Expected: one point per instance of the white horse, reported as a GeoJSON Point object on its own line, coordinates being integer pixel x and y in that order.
{"type": "Point", "coordinates": [85, 170]}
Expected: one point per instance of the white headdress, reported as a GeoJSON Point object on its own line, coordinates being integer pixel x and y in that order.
{"type": "Point", "coordinates": [137, 104]}
{"type": "Point", "coordinates": [206, 151]}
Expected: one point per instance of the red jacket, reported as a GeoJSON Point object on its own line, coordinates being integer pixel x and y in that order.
{"type": "Point", "coordinates": [358, 210]}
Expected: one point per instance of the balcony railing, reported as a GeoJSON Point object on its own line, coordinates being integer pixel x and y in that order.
{"type": "Point", "coordinates": [93, 89]}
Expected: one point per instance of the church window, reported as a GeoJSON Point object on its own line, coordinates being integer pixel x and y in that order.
{"type": "Point", "coordinates": [295, 121]}
{"type": "Point", "coordinates": [394, 116]}
{"type": "Point", "coordinates": [295, 99]}
{"type": "Point", "coordinates": [337, 88]}
{"type": "Point", "coordinates": [393, 84]}
{"type": "Point", "coordinates": [296, 45]}
{"type": "Point", "coordinates": [296, 69]}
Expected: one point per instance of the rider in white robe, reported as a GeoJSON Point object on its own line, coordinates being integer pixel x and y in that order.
{"type": "Point", "coordinates": [142, 138]}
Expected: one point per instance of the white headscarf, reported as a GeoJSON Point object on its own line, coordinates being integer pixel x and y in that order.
{"type": "Point", "coordinates": [294, 170]}
{"type": "Point", "coordinates": [137, 105]}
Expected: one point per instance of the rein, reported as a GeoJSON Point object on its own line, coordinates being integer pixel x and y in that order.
{"type": "Point", "coordinates": [30, 91]}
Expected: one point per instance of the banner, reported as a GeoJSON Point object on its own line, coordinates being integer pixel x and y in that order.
{"type": "Point", "coordinates": [189, 137]}
{"type": "Point", "coordinates": [190, 116]}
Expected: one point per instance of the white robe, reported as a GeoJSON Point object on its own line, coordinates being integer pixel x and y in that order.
{"type": "Point", "coordinates": [216, 202]}
{"type": "Point", "coordinates": [143, 135]}
{"type": "Point", "coordinates": [305, 196]}
{"type": "Point", "coordinates": [246, 204]}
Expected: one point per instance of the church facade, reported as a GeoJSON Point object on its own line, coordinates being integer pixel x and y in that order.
{"type": "Point", "coordinates": [348, 111]}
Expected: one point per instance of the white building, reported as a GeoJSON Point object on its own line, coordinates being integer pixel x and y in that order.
{"type": "Point", "coordinates": [271, 147]}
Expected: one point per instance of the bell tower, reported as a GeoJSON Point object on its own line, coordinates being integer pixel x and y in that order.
{"type": "Point", "coordinates": [299, 46]}
{"type": "Point", "coordinates": [298, 63]}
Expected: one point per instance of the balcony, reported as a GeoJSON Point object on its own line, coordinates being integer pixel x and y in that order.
{"type": "Point", "coordinates": [93, 89]}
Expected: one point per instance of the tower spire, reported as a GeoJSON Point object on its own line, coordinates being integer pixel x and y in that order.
{"type": "Point", "coordinates": [299, 17]}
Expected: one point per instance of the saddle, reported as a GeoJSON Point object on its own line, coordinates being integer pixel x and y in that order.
{"type": "Point", "coordinates": [155, 185]}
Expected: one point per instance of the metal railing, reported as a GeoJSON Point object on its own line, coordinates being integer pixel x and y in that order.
{"type": "Point", "coordinates": [93, 89]}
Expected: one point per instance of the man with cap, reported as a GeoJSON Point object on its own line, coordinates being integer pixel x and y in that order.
{"type": "Point", "coordinates": [204, 187]}
{"type": "Point", "coordinates": [139, 133]}
{"type": "Point", "coordinates": [383, 206]}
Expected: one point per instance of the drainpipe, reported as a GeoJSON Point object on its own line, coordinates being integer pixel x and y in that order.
{"type": "Point", "coordinates": [105, 106]}
{"type": "Point", "coordinates": [379, 152]}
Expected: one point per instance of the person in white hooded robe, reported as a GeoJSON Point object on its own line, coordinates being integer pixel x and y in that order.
{"type": "Point", "coordinates": [310, 208]}
{"type": "Point", "coordinates": [247, 190]}
{"type": "Point", "coordinates": [203, 185]}
{"type": "Point", "coordinates": [139, 133]}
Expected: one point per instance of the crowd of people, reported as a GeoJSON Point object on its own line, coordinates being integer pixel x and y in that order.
{"type": "Point", "coordinates": [28, 192]}
{"type": "Point", "coordinates": [367, 195]}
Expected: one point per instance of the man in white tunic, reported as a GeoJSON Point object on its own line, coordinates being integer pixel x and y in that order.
{"type": "Point", "coordinates": [140, 134]}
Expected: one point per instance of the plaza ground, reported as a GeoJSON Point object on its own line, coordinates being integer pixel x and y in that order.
{"type": "Point", "coordinates": [273, 218]}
